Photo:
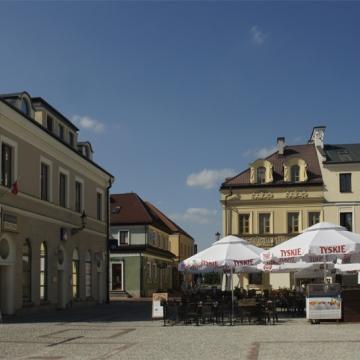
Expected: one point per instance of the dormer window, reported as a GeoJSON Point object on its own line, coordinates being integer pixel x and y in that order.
{"type": "Point", "coordinates": [295, 170]}
{"type": "Point", "coordinates": [61, 132]}
{"type": "Point", "coordinates": [260, 175]}
{"type": "Point", "coordinates": [261, 172]}
{"type": "Point", "coordinates": [71, 139]}
{"type": "Point", "coordinates": [24, 107]}
{"type": "Point", "coordinates": [50, 123]}
{"type": "Point", "coordinates": [295, 173]}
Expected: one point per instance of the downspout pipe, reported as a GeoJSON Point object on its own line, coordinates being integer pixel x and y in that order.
{"type": "Point", "coordinates": [107, 265]}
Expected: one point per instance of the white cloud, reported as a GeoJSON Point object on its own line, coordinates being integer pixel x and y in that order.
{"type": "Point", "coordinates": [88, 123]}
{"type": "Point", "coordinates": [209, 178]}
{"type": "Point", "coordinates": [196, 215]}
{"type": "Point", "coordinates": [258, 37]}
{"type": "Point", "coordinates": [259, 153]}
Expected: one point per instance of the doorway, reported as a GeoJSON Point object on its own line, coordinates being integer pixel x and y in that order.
{"type": "Point", "coordinates": [117, 276]}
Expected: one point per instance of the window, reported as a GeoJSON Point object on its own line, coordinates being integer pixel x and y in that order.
{"type": "Point", "coordinates": [43, 271]}
{"type": "Point", "coordinates": [148, 264]}
{"type": "Point", "coordinates": [26, 271]}
{"type": "Point", "coordinates": [71, 139]}
{"type": "Point", "coordinates": [293, 222]}
{"type": "Point", "coordinates": [264, 223]}
{"type": "Point", "coordinates": [86, 152]}
{"type": "Point", "coordinates": [78, 196]}
{"type": "Point", "coordinates": [99, 202]}
{"type": "Point", "coordinates": [45, 182]}
{"type": "Point", "coordinates": [314, 218]}
{"type": "Point", "coordinates": [75, 279]}
{"type": "Point", "coordinates": [255, 278]}
{"type": "Point", "coordinates": [6, 165]}
{"type": "Point", "coordinates": [24, 107]}
{"type": "Point", "coordinates": [244, 223]}
{"type": "Point", "coordinates": [295, 173]}
{"type": "Point", "coordinates": [346, 220]}
{"type": "Point", "coordinates": [88, 277]}
{"type": "Point", "coordinates": [61, 132]}
{"type": "Point", "coordinates": [50, 123]}
{"type": "Point", "coordinates": [154, 271]}
{"type": "Point", "coordinates": [63, 190]}
{"type": "Point", "coordinates": [124, 237]}
{"type": "Point", "coordinates": [345, 183]}
{"type": "Point", "coordinates": [260, 172]}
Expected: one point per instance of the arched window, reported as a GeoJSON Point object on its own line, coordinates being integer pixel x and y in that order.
{"type": "Point", "coordinates": [43, 272]}
{"type": "Point", "coordinates": [88, 277]}
{"type": "Point", "coordinates": [26, 271]}
{"type": "Point", "coordinates": [75, 274]}
{"type": "Point", "coordinates": [260, 175]}
{"type": "Point", "coordinates": [295, 173]}
{"type": "Point", "coordinates": [24, 107]}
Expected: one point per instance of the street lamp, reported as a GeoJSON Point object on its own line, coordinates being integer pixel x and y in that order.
{"type": "Point", "coordinates": [83, 218]}
{"type": "Point", "coordinates": [217, 236]}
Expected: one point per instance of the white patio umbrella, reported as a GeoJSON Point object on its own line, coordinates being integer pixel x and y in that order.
{"type": "Point", "coordinates": [229, 254]}
{"type": "Point", "coordinates": [289, 267]}
{"type": "Point", "coordinates": [321, 242]}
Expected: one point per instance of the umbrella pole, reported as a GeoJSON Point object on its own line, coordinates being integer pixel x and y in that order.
{"type": "Point", "coordinates": [232, 297]}
{"type": "Point", "coordinates": [324, 269]}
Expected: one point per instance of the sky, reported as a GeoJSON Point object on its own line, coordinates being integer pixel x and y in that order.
{"type": "Point", "coordinates": [176, 96]}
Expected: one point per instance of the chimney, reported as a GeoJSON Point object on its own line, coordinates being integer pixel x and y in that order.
{"type": "Point", "coordinates": [280, 145]}
{"type": "Point", "coordinates": [317, 136]}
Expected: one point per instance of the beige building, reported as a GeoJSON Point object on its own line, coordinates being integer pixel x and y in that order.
{"type": "Point", "coordinates": [273, 200]}
{"type": "Point", "coordinates": [340, 167]}
{"type": "Point", "coordinates": [290, 190]}
{"type": "Point", "coordinates": [54, 201]}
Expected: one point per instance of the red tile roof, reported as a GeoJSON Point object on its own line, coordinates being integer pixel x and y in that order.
{"type": "Point", "coordinates": [306, 152]}
{"type": "Point", "coordinates": [130, 209]}
{"type": "Point", "coordinates": [169, 223]}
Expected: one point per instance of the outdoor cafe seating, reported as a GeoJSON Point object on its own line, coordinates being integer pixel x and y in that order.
{"type": "Point", "coordinates": [215, 308]}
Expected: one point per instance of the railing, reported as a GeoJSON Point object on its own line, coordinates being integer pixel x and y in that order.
{"type": "Point", "coordinates": [266, 241]}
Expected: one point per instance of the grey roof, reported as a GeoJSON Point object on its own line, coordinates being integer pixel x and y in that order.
{"type": "Point", "coordinates": [342, 153]}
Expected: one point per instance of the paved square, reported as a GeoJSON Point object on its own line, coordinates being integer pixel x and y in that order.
{"type": "Point", "coordinates": [124, 330]}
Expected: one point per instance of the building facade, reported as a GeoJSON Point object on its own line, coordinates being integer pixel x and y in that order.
{"type": "Point", "coordinates": [141, 257]}
{"type": "Point", "coordinates": [273, 200]}
{"type": "Point", "coordinates": [54, 218]}
{"type": "Point", "coordinates": [290, 190]}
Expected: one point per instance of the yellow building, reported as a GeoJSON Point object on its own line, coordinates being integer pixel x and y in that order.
{"type": "Point", "coordinates": [273, 200]}
{"type": "Point", "coordinates": [290, 190]}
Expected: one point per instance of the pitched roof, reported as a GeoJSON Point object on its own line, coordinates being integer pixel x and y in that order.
{"type": "Point", "coordinates": [342, 153]}
{"type": "Point", "coordinates": [130, 209]}
{"type": "Point", "coordinates": [169, 223]}
{"type": "Point", "coordinates": [306, 152]}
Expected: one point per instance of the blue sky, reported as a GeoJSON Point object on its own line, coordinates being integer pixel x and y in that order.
{"type": "Point", "coordinates": [175, 95]}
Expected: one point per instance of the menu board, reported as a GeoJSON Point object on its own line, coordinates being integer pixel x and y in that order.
{"type": "Point", "coordinates": [157, 308]}
{"type": "Point", "coordinates": [323, 308]}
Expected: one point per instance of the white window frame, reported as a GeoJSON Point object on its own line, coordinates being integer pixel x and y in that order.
{"type": "Point", "coordinates": [80, 180]}
{"type": "Point", "coordinates": [49, 163]}
{"type": "Point", "coordinates": [102, 215]}
{"type": "Point", "coordinates": [128, 237]}
{"type": "Point", "coordinates": [67, 174]}
{"type": "Point", "coordinates": [14, 145]}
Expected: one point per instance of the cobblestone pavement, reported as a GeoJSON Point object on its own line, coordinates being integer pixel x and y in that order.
{"type": "Point", "coordinates": [124, 330]}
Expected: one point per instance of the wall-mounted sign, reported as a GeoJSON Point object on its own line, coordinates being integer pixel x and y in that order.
{"type": "Point", "coordinates": [9, 222]}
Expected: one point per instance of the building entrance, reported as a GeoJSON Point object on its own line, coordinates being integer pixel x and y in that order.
{"type": "Point", "coordinates": [117, 276]}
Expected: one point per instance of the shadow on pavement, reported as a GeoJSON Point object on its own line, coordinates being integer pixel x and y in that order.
{"type": "Point", "coordinates": [115, 311]}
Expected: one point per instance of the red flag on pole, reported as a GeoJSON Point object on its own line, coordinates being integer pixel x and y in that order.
{"type": "Point", "coordinates": [14, 187]}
